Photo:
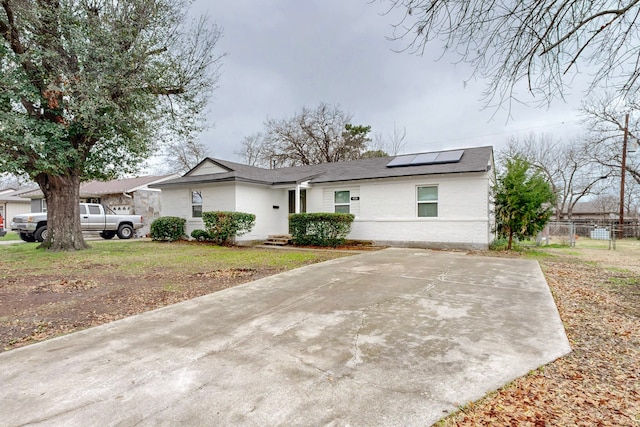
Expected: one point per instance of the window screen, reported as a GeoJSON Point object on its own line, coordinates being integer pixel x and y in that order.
{"type": "Point", "coordinates": [342, 201]}
{"type": "Point", "coordinates": [427, 202]}
{"type": "Point", "coordinates": [196, 204]}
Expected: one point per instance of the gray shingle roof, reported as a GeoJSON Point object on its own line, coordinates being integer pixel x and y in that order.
{"type": "Point", "coordinates": [473, 160]}
{"type": "Point", "coordinates": [116, 186]}
{"type": "Point", "coordinates": [16, 195]}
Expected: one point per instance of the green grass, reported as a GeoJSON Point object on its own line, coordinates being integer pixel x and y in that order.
{"type": "Point", "coordinates": [622, 281]}
{"type": "Point", "coordinates": [537, 254]}
{"type": "Point", "coordinates": [10, 236]}
{"type": "Point", "coordinates": [143, 257]}
{"type": "Point", "coordinates": [619, 270]}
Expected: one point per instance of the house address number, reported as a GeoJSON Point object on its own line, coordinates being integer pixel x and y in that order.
{"type": "Point", "coordinates": [355, 198]}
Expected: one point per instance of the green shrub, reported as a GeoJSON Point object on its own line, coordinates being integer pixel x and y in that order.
{"type": "Point", "coordinates": [498, 244]}
{"type": "Point", "coordinates": [320, 229]}
{"type": "Point", "coordinates": [168, 228]}
{"type": "Point", "coordinates": [223, 227]}
{"type": "Point", "coordinates": [200, 235]}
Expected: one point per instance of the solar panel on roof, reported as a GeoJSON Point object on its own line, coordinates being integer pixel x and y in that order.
{"type": "Point", "coordinates": [424, 159]}
{"type": "Point", "coordinates": [449, 156]}
{"type": "Point", "coordinates": [401, 161]}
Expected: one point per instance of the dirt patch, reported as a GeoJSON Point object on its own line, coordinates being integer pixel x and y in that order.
{"type": "Point", "coordinates": [35, 308]}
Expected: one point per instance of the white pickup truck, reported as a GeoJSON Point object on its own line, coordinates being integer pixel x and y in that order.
{"type": "Point", "coordinates": [93, 218]}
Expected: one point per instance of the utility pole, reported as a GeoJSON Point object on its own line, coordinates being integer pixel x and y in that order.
{"type": "Point", "coordinates": [622, 173]}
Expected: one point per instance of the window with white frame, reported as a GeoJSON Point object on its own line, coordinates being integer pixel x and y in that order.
{"type": "Point", "coordinates": [196, 204]}
{"type": "Point", "coordinates": [427, 202]}
{"type": "Point", "coordinates": [342, 201]}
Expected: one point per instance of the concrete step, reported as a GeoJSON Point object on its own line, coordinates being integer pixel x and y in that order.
{"type": "Point", "coordinates": [278, 240]}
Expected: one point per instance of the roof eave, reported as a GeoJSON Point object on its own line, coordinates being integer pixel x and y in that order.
{"type": "Point", "coordinates": [484, 170]}
{"type": "Point", "coordinates": [210, 181]}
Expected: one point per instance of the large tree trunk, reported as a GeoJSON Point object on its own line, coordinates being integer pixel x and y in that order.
{"type": "Point", "coordinates": [62, 194]}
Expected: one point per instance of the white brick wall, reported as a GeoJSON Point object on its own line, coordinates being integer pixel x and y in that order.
{"type": "Point", "coordinates": [386, 211]}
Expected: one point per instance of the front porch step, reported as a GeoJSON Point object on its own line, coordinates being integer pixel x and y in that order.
{"type": "Point", "coordinates": [278, 240]}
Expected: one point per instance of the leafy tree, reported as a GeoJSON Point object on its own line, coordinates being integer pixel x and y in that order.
{"type": "Point", "coordinates": [523, 201]}
{"type": "Point", "coordinates": [324, 134]}
{"type": "Point", "coordinates": [86, 87]}
{"type": "Point", "coordinates": [543, 43]}
{"type": "Point", "coordinates": [370, 154]}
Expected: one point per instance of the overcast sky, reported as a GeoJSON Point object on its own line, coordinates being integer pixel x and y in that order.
{"type": "Point", "coordinates": [286, 54]}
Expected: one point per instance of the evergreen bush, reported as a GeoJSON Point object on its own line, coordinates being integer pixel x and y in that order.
{"type": "Point", "coordinates": [320, 229]}
{"type": "Point", "coordinates": [200, 235]}
{"type": "Point", "coordinates": [168, 228]}
{"type": "Point", "coordinates": [222, 227]}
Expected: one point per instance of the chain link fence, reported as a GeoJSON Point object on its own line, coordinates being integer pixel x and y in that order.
{"type": "Point", "coordinates": [571, 233]}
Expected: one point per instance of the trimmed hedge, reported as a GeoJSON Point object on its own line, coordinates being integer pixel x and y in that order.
{"type": "Point", "coordinates": [222, 227]}
{"type": "Point", "coordinates": [200, 235]}
{"type": "Point", "coordinates": [320, 229]}
{"type": "Point", "coordinates": [168, 228]}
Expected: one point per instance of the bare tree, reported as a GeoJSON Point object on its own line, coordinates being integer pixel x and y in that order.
{"type": "Point", "coordinates": [543, 43]}
{"type": "Point", "coordinates": [569, 169]}
{"type": "Point", "coordinates": [321, 135]}
{"type": "Point", "coordinates": [183, 155]}
{"type": "Point", "coordinates": [396, 140]}
{"type": "Point", "coordinates": [256, 151]}
{"type": "Point", "coordinates": [607, 204]}
{"type": "Point", "coordinates": [8, 180]}
{"type": "Point", "coordinates": [605, 117]}
{"type": "Point", "coordinates": [393, 143]}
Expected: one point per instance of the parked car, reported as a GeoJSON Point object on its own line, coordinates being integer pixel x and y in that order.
{"type": "Point", "coordinates": [93, 218]}
{"type": "Point", "coordinates": [3, 232]}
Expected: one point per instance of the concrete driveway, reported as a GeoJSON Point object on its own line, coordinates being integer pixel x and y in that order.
{"type": "Point", "coordinates": [395, 337]}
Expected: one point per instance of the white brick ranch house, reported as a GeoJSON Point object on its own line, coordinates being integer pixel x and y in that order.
{"type": "Point", "coordinates": [437, 199]}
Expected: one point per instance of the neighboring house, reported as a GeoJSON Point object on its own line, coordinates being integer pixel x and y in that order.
{"type": "Point", "coordinates": [598, 212]}
{"type": "Point", "coordinates": [437, 199]}
{"type": "Point", "coordinates": [123, 196]}
{"type": "Point", "coordinates": [13, 203]}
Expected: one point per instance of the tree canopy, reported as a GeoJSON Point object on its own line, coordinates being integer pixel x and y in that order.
{"type": "Point", "coordinates": [87, 88]}
{"type": "Point", "coordinates": [542, 43]}
{"type": "Point", "coordinates": [321, 135]}
{"type": "Point", "coordinates": [523, 201]}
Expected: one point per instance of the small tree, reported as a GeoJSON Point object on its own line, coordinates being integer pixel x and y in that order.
{"type": "Point", "coordinates": [523, 201]}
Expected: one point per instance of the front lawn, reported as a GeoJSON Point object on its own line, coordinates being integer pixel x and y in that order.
{"type": "Point", "coordinates": [46, 294]}
{"type": "Point", "coordinates": [10, 236]}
